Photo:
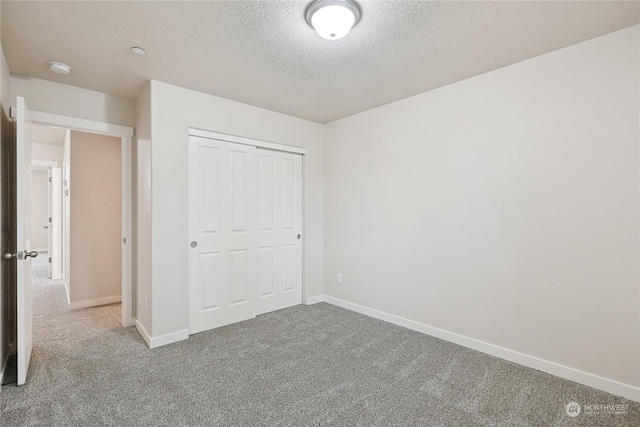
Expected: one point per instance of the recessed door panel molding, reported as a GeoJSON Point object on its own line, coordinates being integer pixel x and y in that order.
{"type": "Point", "coordinates": [210, 194]}
{"type": "Point", "coordinates": [290, 177]}
{"type": "Point", "coordinates": [239, 278]}
{"type": "Point", "coordinates": [210, 269]}
{"type": "Point", "coordinates": [267, 183]}
{"type": "Point", "coordinates": [266, 269]}
{"type": "Point", "coordinates": [239, 188]}
{"type": "Point", "coordinates": [288, 268]}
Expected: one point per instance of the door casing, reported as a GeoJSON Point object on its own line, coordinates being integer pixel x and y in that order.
{"type": "Point", "coordinates": [125, 133]}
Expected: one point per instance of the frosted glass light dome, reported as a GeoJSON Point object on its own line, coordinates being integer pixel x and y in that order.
{"type": "Point", "coordinates": [333, 19]}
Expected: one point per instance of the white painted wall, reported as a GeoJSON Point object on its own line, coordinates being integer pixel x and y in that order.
{"type": "Point", "coordinates": [142, 209]}
{"type": "Point", "coordinates": [38, 209]}
{"type": "Point", "coordinates": [96, 218]}
{"type": "Point", "coordinates": [503, 208]}
{"type": "Point", "coordinates": [173, 111]}
{"type": "Point", "coordinates": [71, 101]}
{"type": "Point", "coordinates": [50, 152]}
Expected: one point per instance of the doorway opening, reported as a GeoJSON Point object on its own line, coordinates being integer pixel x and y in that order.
{"type": "Point", "coordinates": [96, 172]}
{"type": "Point", "coordinates": [103, 173]}
{"type": "Point", "coordinates": [75, 217]}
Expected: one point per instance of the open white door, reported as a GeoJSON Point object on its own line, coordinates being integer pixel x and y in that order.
{"type": "Point", "coordinates": [49, 223]}
{"type": "Point", "coordinates": [23, 244]}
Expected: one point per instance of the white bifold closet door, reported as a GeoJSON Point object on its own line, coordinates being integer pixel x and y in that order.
{"type": "Point", "coordinates": [245, 216]}
{"type": "Point", "coordinates": [280, 226]}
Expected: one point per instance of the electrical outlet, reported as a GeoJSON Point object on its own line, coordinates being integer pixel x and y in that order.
{"type": "Point", "coordinates": [146, 303]}
{"type": "Point", "coordinates": [339, 278]}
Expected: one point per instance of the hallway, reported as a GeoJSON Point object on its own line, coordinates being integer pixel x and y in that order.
{"type": "Point", "coordinates": [54, 323]}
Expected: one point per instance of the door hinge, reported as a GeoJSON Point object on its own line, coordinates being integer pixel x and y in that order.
{"type": "Point", "coordinates": [13, 112]}
{"type": "Point", "coordinates": [124, 240]}
{"type": "Point", "coordinates": [49, 260]}
{"type": "Point", "coordinates": [49, 179]}
{"type": "Point", "coordinates": [49, 219]}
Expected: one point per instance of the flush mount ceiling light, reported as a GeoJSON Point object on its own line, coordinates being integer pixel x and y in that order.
{"type": "Point", "coordinates": [138, 50]}
{"type": "Point", "coordinates": [333, 19]}
{"type": "Point", "coordinates": [59, 67]}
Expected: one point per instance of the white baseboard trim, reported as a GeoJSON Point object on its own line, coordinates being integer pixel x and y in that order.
{"type": "Point", "coordinates": [314, 300]}
{"type": "Point", "coordinates": [94, 302]}
{"type": "Point", "coordinates": [169, 338]}
{"type": "Point", "coordinates": [66, 288]}
{"type": "Point", "coordinates": [571, 374]}
{"type": "Point", "coordinates": [154, 342]}
{"type": "Point", "coordinates": [143, 332]}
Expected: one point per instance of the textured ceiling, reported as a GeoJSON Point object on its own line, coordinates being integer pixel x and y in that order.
{"type": "Point", "coordinates": [263, 53]}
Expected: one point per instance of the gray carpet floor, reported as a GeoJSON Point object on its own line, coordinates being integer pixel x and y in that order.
{"type": "Point", "coordinates": [304, 366]}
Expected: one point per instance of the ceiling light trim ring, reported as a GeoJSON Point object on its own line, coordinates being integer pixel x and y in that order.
{"type": "Point", "coordinates": [317, 5]}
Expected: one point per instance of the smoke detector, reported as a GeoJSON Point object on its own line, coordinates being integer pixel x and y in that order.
{"type": "Point", "coordinates": [59, 67]}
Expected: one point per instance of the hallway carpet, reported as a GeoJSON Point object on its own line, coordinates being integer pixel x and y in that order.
{"type": "Point", "coordinates": [304, 366]}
